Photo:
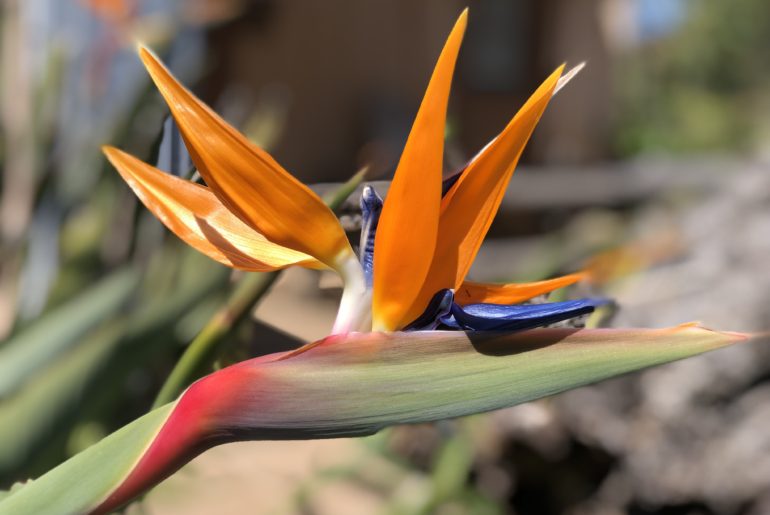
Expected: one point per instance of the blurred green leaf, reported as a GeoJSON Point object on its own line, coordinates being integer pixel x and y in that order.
{"type": "Point", "coordinates": [39, 405]}
{"type": "Point", "coordinates": [97, 363]}
{"type": "Point", "coordinates": [451, 469]}
{"type": "Point", "coordinates": [54, 333]}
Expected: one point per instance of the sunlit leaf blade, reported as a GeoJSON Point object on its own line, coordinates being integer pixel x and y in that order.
{"type": "Point", "coordinates": [84, 481]}
{"type": "Point", "coordinates": [349, 386]}
{"type": "Point", "coordinates": [408, 227]}
{"type": "Point", "coordinates": [468, 208]}
{"type": "Point", "coordinates": [44, 341]}
{"type": "Point", "coordinates": [247, 179]}
{"type": "Point", "coordinates": [196, 215]}
{"type": "Point", "coordinates": [511, 293]}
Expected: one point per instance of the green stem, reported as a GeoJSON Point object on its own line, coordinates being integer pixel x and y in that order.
{"type": "Point", "coordinates": [205, 348]}
{"type": "Point", "coordinates": [336, 197]}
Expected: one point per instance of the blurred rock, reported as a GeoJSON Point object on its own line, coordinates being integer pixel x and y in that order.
{"type": "Point", "coordinates": [692, 436]}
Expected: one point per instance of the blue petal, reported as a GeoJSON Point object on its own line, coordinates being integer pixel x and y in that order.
{"type": "Point", "coordinates": [449, 321]}
{"type": "Point", "coordinates": [450, 180]}
{"type": "Point", "coordinates": [438, 307]}
{"type": "Point", "coordinates": [371, 207]}
{"type": "Point", "coordinates": [172, 152]}
{"type": "Point", "coordinates": [497, 317]}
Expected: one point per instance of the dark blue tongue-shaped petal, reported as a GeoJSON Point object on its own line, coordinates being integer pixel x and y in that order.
{"type": "Point", "coordinates": [173, 156]}
{"type": "Point", "coordinates": [371, 207]}
{"type": "Point", "coordinates": [443, 312]}
{"type": "Point", "coordinates": [497, 317]}
{"type": "Point", "coordinates": [450, 181]}
{"type": "Point", "coordinates": [439, 307]}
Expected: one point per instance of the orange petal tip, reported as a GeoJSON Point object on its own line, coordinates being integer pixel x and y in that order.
{"type": "Point", "coordinates": [247, 180]}
{"type": "Point", "coordinates": [567, 77]}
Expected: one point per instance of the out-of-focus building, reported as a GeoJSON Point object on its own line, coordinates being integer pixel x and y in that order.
{"type": "Point", "coordinates": [354, 73]}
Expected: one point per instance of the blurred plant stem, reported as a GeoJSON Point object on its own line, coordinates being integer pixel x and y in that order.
{"type": "Point", "coordinates": [203, 351]}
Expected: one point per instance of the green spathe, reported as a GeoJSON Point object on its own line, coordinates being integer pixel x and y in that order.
{"type": "Point", "coordinates": [363, 382]}
{"type": "Point", "coordinates": [352, 385]}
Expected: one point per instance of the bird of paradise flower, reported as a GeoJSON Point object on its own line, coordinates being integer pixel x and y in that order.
{"type": "Point", "coordinates": [413, 340]}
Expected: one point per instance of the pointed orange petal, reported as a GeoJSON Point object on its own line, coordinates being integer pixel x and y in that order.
{"type": "Point", "coordinates": [408, 227]}
{"type": "Point", "coordinates": [248, 181]}
{"type": "Point", "coordinates": [468, 208]}
{"type": "Point", "coordinates": [194, 214]}
{"type": "Point", "coordinates": [512, 293]}
{"type": "Point", "coordinates": [567, 77]}
{"type": "Point", "coordinates": [470, 205]}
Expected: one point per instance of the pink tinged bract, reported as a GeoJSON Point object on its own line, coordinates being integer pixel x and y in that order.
{"type": "Point", "coordinates": [349, 385]}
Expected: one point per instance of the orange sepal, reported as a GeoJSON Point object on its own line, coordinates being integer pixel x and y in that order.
{"type": "Point", "coordinates": [248, 181]}
{"type": "Point", "coordinates": [470, 205]}
{"type": "Point", "coordinates": [196, 216]}
{"type": "Point", "coordinates": [408, 227]}
{"type": "Point", "coordinates": [511, 293]}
